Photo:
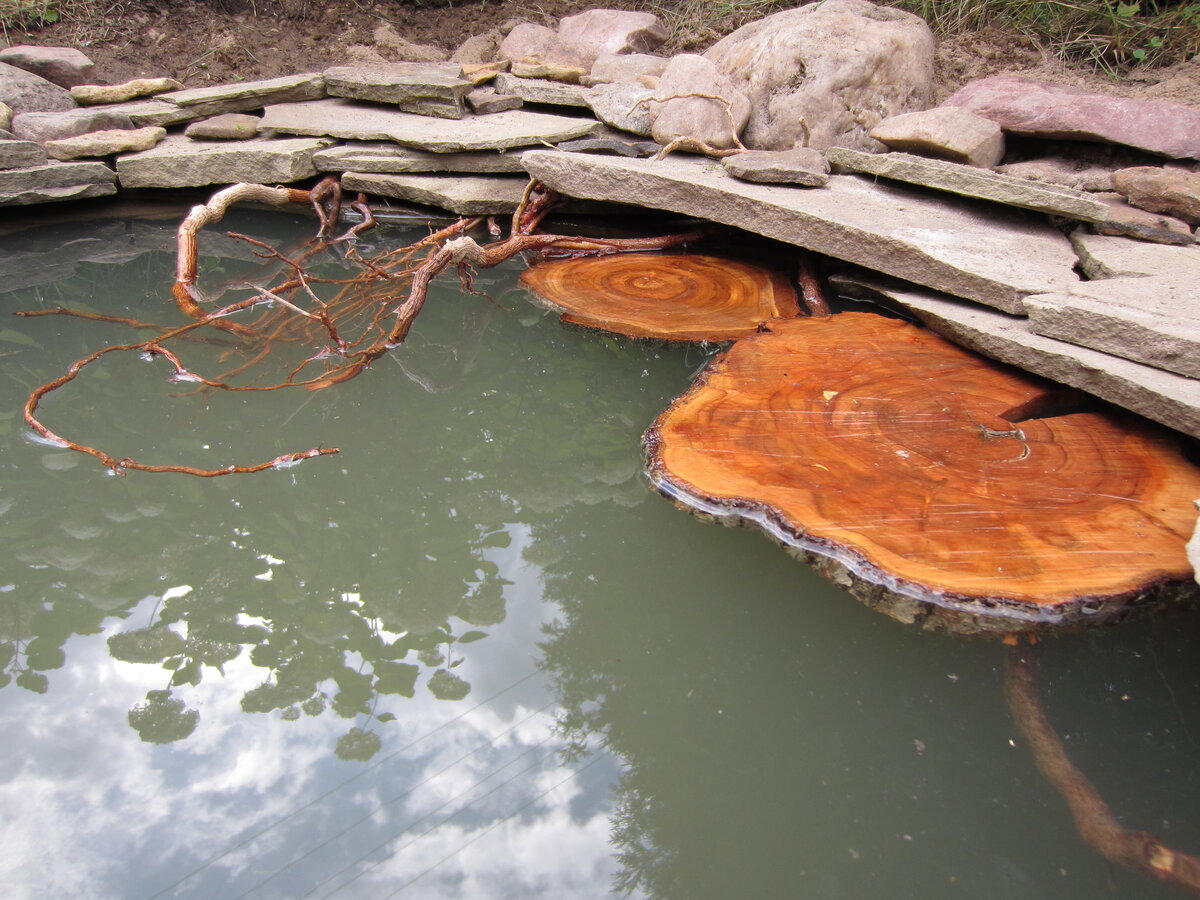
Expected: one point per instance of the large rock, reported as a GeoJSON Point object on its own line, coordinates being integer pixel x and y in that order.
{"type": "Point", "coordinates": [529, 41]}
{"type": "Point", "coordinates": [105, 143]}
{"type": "Point", "coordinates": [17, 154]}
{"type": "Point", "coordinates": [627, 67]}
{"type": "Point", "coordinates": [969, 249]}
{"type": "Point", "coordinates": [1072, 172]}
{"type": "Point", "coordinates": [349, 120]}
{"type": "Point", "coordinates": [825, 74]}
{"type": "Point", "coordinates": [625, 107]}
{"type": "Point", "coordinates": [480, 195]}
{"type": "Point", "coordinates": [714, 120]}
{"type": "Point", "coordinates": [95, 94]}
{"type": "Point", "coordinates": [393, 159]}
{"type": "Point", "coordinates": [1026, 106]}
{"type": "Point", "coordinates": [56, 181]}
{"type": "Point", "coordinates": [971, 181]}
{"type": "Point", "coordinates": [1171, 399]}
{"type": "Point", "coordinates": [613, 31]}
{"type": "Point", "coordinates": [53, 126]}
{"type": "Point", "coordinates": [25, 92]}
{"type": "Point", "coordinates": [64, 66]}
{"type": "Point", "coordinates": [181, 162]}
{"type": "Point", "coordinates": [948, 132]}
{"type": "Point", "coordinates": [428, 89]}
{"type": "Point", "coordinates": [1171, 191]}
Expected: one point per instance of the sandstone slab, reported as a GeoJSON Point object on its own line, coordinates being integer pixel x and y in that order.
{"type": "Point", "coordinates": [611, 143]}
{"type": "Point", "coordinates": [154, 111]}
{"type": "Point", "coordinates": [26, 92]}
{"type": "Point", "coordinates": [352, 121]}
{"type": "Point", "coordinates": [805, 167]}
{"type": "Point", "coordinates": [970, 181]}
{"type": "Point", "coordinates": [627, 67]}
{"type": "Point", "coordinates": [428, 89]}
{"type": "Point", "coordinates": [105, 143]}
{"type": "Point", "coordinates": [181, 162]}
{"type": "Point", "coordinates": [826, 73]}
{"type": "Point", "coordinates": [1153, 320]}
{"type": "Point", "coordinates": [56, 181]}
{"type": "Point", "coordinates": [52, 126]}
{"type": "Point", "coordinates": [389, 158]}
{"type": "Point", "coordinates": [96, 94]}
{"type": "Point", "coordinates": [1080, 174]}
{"type": "Point", "coordinates": [479, 195]}
{"type": "Point", "coordinates": [64, 66]}
{"type": "Point", "coordinates": [530, 42]}
{"type": "Point", "coordinates": [6, 116]}
{"type": "Point", "coordinates": [1102, 256]}
{"type": "Point", "coordinates": [522, 68]}
{"type": "Point", "coordinates": [982, 252]}
{"type": "Point", "coordinates": [244, 95]}
{"type": "Point", "coordinates": [1173, 400]}
{"type": "Point", "coordinates": [487, 100]}
{"type": "Point", "coordinates": [225, 127]}
{"type": "Point", "coordinates": [946, 132]}
{"type": "Point", "coordinates": [17, 154]}
{"type": "Point", "coordinates": [1027, 106]}
{"type": "Point", "coordinates": [1172, 191]}
{"type": "Point", "coordinates": [1129, 221]}
{"type": "Point", "coordinates": [625, 107]}
{"type": "Point", "coordinates": [536, 90]}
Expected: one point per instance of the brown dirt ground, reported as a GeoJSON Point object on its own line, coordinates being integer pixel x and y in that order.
{"type": "Point", "coordinates": [212, 41]}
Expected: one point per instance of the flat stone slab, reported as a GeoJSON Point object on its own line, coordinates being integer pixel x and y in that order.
{"type": "Point", "coordinates": [481, 195]}
{"type": "Point", "coordinates": [349, 120]}
{"type": "Point", "coordinates": [394, 159]}
{"type": "Point", "coordinates": [182, 162]}
{"type": "Point", "coordinates": [18, 154]}
{"type": "Point", "coordinates": [1154, 320]}
{"type": "Point", "coordinates": [1173, 400]}
{"type": "Point", "coordinates": [538, 90]}
{"type": "Point", "coordinates": [105, 143]}
{"type": "Point", "coordinates": [49, 126]}
{"type": "Point", "coordinates": [287, 89]}
{"type": "Point", "coordinates": [95, 94]}
{"type": "Point", "coordinates": [971, 181]}
{"type": "Point", "coordinates": [995, 256]}
{"type": "Point", "coordinates": [56, 181]}
{"type": "Point", "coordinates": [1104, 256]}
{"type": "Point", "coordinates": [804, 166]}
{"type": "Point", "coordinates": [429, 89]}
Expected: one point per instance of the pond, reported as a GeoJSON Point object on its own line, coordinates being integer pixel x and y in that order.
{"type": "Point", "coordinates": [472, 655]}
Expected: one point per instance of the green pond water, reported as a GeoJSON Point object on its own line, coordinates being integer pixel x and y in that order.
{"type": "Point", "coordinates": [472, 655]}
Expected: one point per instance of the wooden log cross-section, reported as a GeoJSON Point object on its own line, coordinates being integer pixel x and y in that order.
{"type": "Point", "coordinates": [684, 297]}
{"type": "Point", "coordinates": [905, 468]}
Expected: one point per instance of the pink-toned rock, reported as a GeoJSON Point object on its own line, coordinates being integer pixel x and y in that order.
{"type": "Point", "coordinates": [714, 123]}
{"type": "Point", "coordinates": [25, 92]}
{"type": "Point", "coordinates": [64, 66]}
{"type": "Point", "coordinates": [627, 67]}
{"type": "Point", "coordinates": [948, 132]}
{"type": "Point", "coordinates": [1129, 221]}
{"type": "Point", "coordinates": [1072, 172]}
{"type": "Point", "coordinates": [529, 41]}
{"type": "Point", "coordinates": [826, 73]}
{"type": "Point", "coordinates": [1026, 106]}
{"type": "Point", "coordinates": [1175, 192]}
{"type": "Point", "coordinates": [613, 31]}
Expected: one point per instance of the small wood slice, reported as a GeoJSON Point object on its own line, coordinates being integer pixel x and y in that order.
{"type": "Point", "coordinates": [882, 446]}
{"type": "Point", "coordinates": [675, 298]}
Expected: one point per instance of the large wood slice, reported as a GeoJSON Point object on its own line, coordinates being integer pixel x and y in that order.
{"type": "Point", "coordinates": [882, 453]}
{"type": "Point", "coordinates": [686, 297]}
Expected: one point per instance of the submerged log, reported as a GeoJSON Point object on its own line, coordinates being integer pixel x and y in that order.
{"type": "Point", "coordinates": [688, 297]}
{"type": "Point", "coordinates": [906, 468]}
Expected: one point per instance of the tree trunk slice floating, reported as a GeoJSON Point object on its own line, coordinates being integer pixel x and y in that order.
{"type": "Point", "coordinates": [675, 298]}
{"type": "Point", "coordinates": [880, 452]}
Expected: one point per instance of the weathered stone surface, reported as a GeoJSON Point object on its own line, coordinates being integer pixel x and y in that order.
{"type": "Point", "coordinates": [1172, 191]}
{"type": "Point", "coordinates": [487, 100]}
{"type": "Point", "coordinates": [1171, 399]}
{"type": "Point", "coordinates": [398, 47]}
{"type": "Point", "coordinates": [391, 158]}
{"type": "Point", "coordinates": [711, 122]}
{"type": "Point", "coordinates": [52, 126]}
{"type": "Point", "coordinates": [611, 144]}
{"type": "Point", "coordinates": [347, 119]}
{"type": "Point", "coordinates": [613, 31]}
{"type": "Point", "coordinates": [16, 154]}
{"type": "Point", "coordinates": [947, 132]}
{"type": "Point", "coordinates": [1129, 221]}
{"type": "Point", "coordinates": [627, 67]}
{"type": "Point", "coordinates": [533, 90]}
{"type": "Point", "coordinates": [105, 143]}
{"type": "Point", "coordinates": [482, 73]}
{"type": "Point", "coordinates": [1154, 320]}
{"type": "Point", "coordinates": [64, 66]}
{"type": "Point", "coordinates": [56, 181]}
{"type": "Point", "coordinates": [552, 71]}
{"type": "Point", "coordinates": [1193, 548]}
{"type": "Point", "coordinates": [805, 167]}
{"type": "Point", "coordinates": [473, 196]}
{"type": "Point", "coordinates": [1069, 172]}
{"type": "Point", "coordinates": [1101, 256]}
{"type": "Point", "coordinates": [479, 48]}
{"type": "Point", "coordinates": [181, 162]}
{"type": "Point", "coordinates": [1026, 106]}
{"type": "Point", "coordinates": [6, 116]}
{"type": "Point", "coordinates": [622, 106]}
{"type": "Point", "coordinates": [530, 42]}
{"type": "Point", "coordinates": [95, 94]}
{"type": "Point", "coordinates": [25, 92]}
{"type": "Point", "coordinates": [991, 254]}
{"type": "Point", "coordinates": [429, 89]}
{"type": "Point", "coordinates": [970, 181]}
{"type": "Point", "coordinates": [226, 127]}
{"type": "Point", "coordinates": [245, 95]}
{"type": "Point", "coordinates": [160, 112]}
{"type": "Point", "coordinates": [826, 73]}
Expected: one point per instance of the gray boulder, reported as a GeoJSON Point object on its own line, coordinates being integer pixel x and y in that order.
{"type": "Point", "coordinates": [63, 66]}
{"type": "Point", "coordinates": [25, 92]}
{"type": "Point", "coordinates": [826, 74]}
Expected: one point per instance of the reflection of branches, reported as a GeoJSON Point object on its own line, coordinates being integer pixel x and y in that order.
{"type": "Point", "coordinates": [1097, 825]}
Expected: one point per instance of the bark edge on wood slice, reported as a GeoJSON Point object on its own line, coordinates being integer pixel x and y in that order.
{"type": "Point", "coordinates": [881, 454]}
{"type": "Point", "coordinates": [680, 297]}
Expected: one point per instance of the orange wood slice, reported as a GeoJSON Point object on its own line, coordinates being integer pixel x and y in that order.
{"type": "Point", "coordinates": [686, 297]}
{"type": "Point", "coordinates": [883, 446]}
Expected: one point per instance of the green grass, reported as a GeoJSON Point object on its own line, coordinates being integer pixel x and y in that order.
{"type": "Point", "coordinates": [27, 13]}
